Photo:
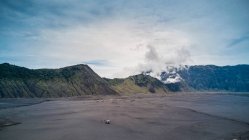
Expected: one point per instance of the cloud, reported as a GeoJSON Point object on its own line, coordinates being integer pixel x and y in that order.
{"type": "Point", "coordinates": [152, 55]}
{"type": "Point", "coordinates": [119, 38]}
{"type": "Point", "coordinates": [239, 40]}
{"type": "Point", "coordinates": [155, 63]}
{"type": "Point", "coordinates": [97, 62]}
{"type": "Point", "coordinates": [113, 48]}
{"type": "Point", "coordinates": [172, 78]}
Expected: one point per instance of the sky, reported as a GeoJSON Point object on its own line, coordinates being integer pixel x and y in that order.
{"type": "Point", "coordinates": [118, 38]}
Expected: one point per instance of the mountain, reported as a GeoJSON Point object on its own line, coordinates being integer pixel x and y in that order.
{"type": "Point", "coordinates": [80, 80]}
{"type": "Point", "coordinates": [75, 80]}
{"type": "Point", "coordinates": [137, 84]}
{"type": "Point", "coordinates": [178, 87]}
{"type": "Point", "coordinates": [210, 77]}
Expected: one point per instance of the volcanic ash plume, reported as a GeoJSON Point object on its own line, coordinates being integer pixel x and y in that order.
{"type": "Point", "coordinates": [165, 68]}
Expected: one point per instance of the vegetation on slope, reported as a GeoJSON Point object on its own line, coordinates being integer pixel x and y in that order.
{"type": "Point", "coordinates": [69, 81]}
{"type": "Point", "coordinates": [80, 80]}
{"type": "Point", "coordinates": [215, 78]}
{"type": "Point", "coordinates": [137, 84]}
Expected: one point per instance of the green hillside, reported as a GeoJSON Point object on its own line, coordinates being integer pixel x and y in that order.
{"type": "Point", "coordinates": [75, 80]}
{"type": "Point", "coordinates": [137, 84]}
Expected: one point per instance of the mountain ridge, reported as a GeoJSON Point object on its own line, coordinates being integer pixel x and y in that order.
{"type": "Point", "coordinates": [213, 78]}
{"type": "Point", "coordinates": [74, 80]}
{"type": "Point", "coordinates": [78, 80]}
{"type": "Point", "coordinates": [137, 84]}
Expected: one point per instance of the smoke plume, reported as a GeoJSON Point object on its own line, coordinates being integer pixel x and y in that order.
{"type": "Point", "coordinates": [165, 67]}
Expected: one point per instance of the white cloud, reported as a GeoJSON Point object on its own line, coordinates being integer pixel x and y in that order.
{"type": "Point", "coordinates": [119, 33]}
{"type": "Point", "coordinates": [123, 44]}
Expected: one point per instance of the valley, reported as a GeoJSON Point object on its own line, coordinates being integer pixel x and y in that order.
{"type": "Point", "coordinates": [138, 117]}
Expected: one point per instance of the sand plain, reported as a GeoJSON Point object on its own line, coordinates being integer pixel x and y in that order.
{"type": "Point", "coordinates": [140, 117]}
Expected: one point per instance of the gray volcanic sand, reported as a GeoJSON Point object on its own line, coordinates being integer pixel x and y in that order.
{"type": "Point", "coordinates": [148, 117]}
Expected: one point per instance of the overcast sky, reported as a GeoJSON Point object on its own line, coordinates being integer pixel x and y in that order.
{"type": "Point", "coordinates": [118, 38]}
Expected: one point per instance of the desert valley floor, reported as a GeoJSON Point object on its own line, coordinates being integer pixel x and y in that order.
{"type": "Point", "coordinates": [140, 117]}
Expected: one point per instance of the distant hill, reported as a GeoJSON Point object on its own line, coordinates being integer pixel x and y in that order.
{"type": "Point", "coordinates": [80, 80]}
{"type": "Point", "coordinates": [188, 78]}
{"type": "Point", "coordinates": [212, 78]}
{"type": "Point", "coordinates": [75, 80]}
{"type": "Point", "coordinates": [137, 84]}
